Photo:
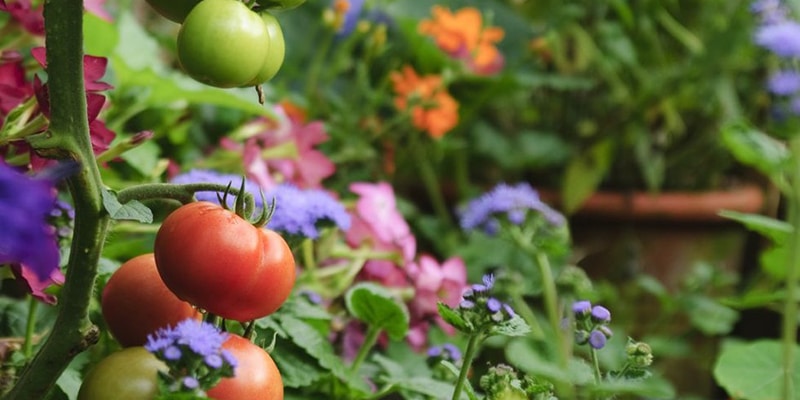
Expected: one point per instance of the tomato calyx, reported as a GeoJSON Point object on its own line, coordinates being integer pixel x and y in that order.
{"type": "Point", "coordinates": [244, 210]}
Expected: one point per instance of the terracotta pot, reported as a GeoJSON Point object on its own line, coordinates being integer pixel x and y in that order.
{"type": "Point", "coordinates": [618, 235]}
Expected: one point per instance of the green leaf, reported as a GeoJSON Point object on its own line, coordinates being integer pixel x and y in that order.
{"type": "Point", "coordinates": [309, 339]}
{"type": "Point", "coordinates": [377, 307]}
{"type": "Point", "coordinates": [452, 317]}
{"type": "Point", "coordinates": [298, 369]}
{"type": "Point", "coordinates": [776, 230]}
{"type": "Point", "coordinates": [523, 354]}
{"type": "Point", "coordinates": [428, 386]}
{"type": "Point", "coordinates": [709, 316]}
{"type": "Point", "coordinates": [651, 388]}
{"type": "Point", "coordinates": [757, 149]}
{"type": "Point", "coordinates": [132, 210]}
{"type": "Point", "coordinates": [515, 326]}
{"type": "Point", "coordinates": [584, 175]}
{"type": "Point", "coordinates": [754, 371]}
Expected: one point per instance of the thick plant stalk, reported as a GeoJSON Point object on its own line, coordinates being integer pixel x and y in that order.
{"type": "Point", "coordinates": [68, 138]}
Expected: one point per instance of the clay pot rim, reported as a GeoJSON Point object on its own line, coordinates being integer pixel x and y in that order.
{"type": "Point", "coordinates": [673, 206]}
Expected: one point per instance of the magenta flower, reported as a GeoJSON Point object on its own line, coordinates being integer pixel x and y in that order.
{"type": "Point", "coordinates": [23, 12]}
{"type": "Point", "coordinates": [14, 89]}
{"type": "Point", "coordinates": [376, 219]}
{"type": "Point", "coordinates": [283, 151]}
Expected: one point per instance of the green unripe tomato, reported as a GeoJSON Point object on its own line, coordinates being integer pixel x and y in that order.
{"type": "Point", "coordinates": [276, 50]}
{"type": "Point", "coordinates": [222, 43]}
{"type": "Point", "coordinates": [279, 4]}
{"type": "Point", "coordinates": [173, 10]}
{"type": "Point", "coordinates": [130, 374]}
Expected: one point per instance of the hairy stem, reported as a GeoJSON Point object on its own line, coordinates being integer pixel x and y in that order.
{"type": "Point", "coordinates": [789, 333]}
{"type": "Point", "coordinates": [472, 350]}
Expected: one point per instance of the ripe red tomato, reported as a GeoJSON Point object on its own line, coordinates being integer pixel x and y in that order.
{"type": "Point", "coordinates": [276, 51]}
{"type": "Point", "coordinates": [136, 302]}
{"type": "Point", "coordinates": [222, 43]}
{"type": "Point", "coordinates": [131, 373]}
{"type": "Point", "coordinates": [173, 10]}
{"type": "Point", "coordinates": [214, 259]}
{"type": "Point", "coordinates": [256, 375]}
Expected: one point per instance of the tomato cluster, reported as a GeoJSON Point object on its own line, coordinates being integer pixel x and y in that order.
{"type": "Point", "coordinates": [226, 44]}
{"type": "Point", "coordinates": [204, 257]}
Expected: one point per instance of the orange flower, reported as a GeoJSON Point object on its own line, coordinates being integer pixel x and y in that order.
{"type": "Point", "coordinates": [462, 35]}
{"type": "Point", "coordinates": [432, 108]}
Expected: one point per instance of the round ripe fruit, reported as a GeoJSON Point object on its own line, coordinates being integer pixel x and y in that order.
{"type": "Point", "coordinates": [216, 260]}
{"type": "Point", "coordinates": [173, 10]}
{"type": "Point", "coordinates": [256, 375]}
{"type": "Point", "coordinates": [131, 374]}
{"type": "Point", "coordinates": [275, 53]}
{"type": "Point", "coordinates": [136, 302]}
{"type": "Point", "coordinates": [222, 43]}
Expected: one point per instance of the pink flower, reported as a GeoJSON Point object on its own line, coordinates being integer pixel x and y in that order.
{"type": "Point", "coordinates": [283, 150]}
{"type": "Point", "coordinates": [94, 68]}
{"type": "Point", "coordinates": [377, 220]}
{"type": "Point", "coordinates": [23, 12]}
{"type": "Point", "coordinates": [436, 282]}
{"type": "Point", "coordinates": [36, 286]}
{"type": "Point", "coordinates": [14, 89]}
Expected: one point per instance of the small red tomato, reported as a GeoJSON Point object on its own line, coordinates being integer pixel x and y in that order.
{"type": "Point", "coordinates": [256, 375]}
{"type": "Point", "coordinates": [136, 302]}
{"type": "Point", "coordinates": [218, 261]}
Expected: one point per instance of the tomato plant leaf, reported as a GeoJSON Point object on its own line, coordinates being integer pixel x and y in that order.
{"type": "Point", "coordinates": [377, 307]}
{"type": "Point", "coordinates": [132, 210]}
{"type": "Point", "coordinates": [754, 370]}
{"type": "Point", "coordinates": [298, 368]}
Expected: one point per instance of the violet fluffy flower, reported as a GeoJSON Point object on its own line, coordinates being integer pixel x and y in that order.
{"type": "Point", "coordinates": [303, 211]}
{"type": "Point", "coordinates": [784, 83]}
{"type": "Point", "coordinates": [513, 202]}
{"type": "Point", "coordinates": [201, 338]}
{"type": "Point", "coordinates": [25, 236]}
{"type": "Point", "coordinates": [781, 38]}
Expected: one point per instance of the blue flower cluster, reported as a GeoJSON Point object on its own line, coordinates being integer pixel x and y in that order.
{"type": "Point", "coordinates": [300, 212]}
{"type": "Point", "coordinates": [591, 324]}
{"type": "Point", "coordinates": [513, 202]}
{"type": "Point", "coordinates": [26, 237]}
{"type": "Point", "coordinates": [780, 34]}
{"type": "Point", "coordinates": [447, 351]}
{"type": "Point", "coordinates": [194, 355]}
{"type": "Point", "coordinates": [478, 298]}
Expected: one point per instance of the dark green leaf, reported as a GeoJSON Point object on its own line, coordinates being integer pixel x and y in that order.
{"type": "Point", "coordinates": [377, 307]}
{"type": "Point", "coordinates": [132, 210]}
{"type": "Point", "coordinates": [298, 369]}
{"type": "Point", "coordinates": [651, 388]}
{"type": "Point", "coordinates": [515, 326]}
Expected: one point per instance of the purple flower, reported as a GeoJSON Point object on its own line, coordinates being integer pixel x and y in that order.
{"type": "Point", "coordinates": [494, 305]}
{"type": "Point", "coordinates": [210, 176]}
{"type": "Point", "coordinates": [213, 360]}
{"type": "Point", "coordinates": [781, 38]}
{"type": "Point", "coordinates": [25, 235]}
{"type": "Point", "coordinates": [513, 202]}
{"type": "Point", "coordinates": [509, 310]}
{"type": "Point", "coordinates": [597, 339]}
{"type": "Point", "coordinates": [172, 353]}
{"type": "Point", "coordinates": [201, 338]}
{"type": "Point", "coordinates": [487, 285]}
{"type": "Point", "coordinates": [229, 358]}
{"type": "Point", "coordinates": [581, 307]}
{"type": "Point", "coordinates": [452, 350]}
{"type": "Point", "coordinates": [601, 314]}
{"type": "Point", "coordinates": [303, 211]}
{"type": "Point", "coordinates": [467, 304]}
{"type": "Point", "coordinates": [770, 11]}
{"type": "Point", "coordinates": [784, 83]}
{"type": "Point", "coordinates": [351, 17]}
{"type": "Point", "coordinates": [435, 351]}
{"type": "Point", "coordinates": [190, 382]}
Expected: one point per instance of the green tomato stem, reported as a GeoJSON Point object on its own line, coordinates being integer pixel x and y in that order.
{"type": "Point", "coordinates": [183, 193]}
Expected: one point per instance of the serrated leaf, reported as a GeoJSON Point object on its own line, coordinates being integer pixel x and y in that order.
{"type": "Point", "coordinates": [452, 317]}
{"type": "Point", "coordinates": [516, 326]}
{"type": "Point", "coordinates": [298, 369]}
{"type": "Point", "coordinates": [130, 211]}
{"type": "Point", "coordinates": [309, 339]}
{"type": "Point", "coordinates": [377, 307]}
{"type": "Point", "coordinates": [754, 371]}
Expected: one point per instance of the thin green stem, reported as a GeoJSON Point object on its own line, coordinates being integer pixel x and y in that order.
{"type": "Point", "coordinates": [789, 331]}
{"type": "Point", "coordinates": [431, 182]}
{"type": "Point", "coordinates": [30, 326]}
{"type": "Point", "coordinates": [472, 350]}
{"type": "Point", "coordinates": [521, 306]}
{"type": "Point", "coordinates": [184, 193]}
{"type": "Point", "coordinates": [370, 338]}
{"type": "Point", "coordinates": [596, 366]}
